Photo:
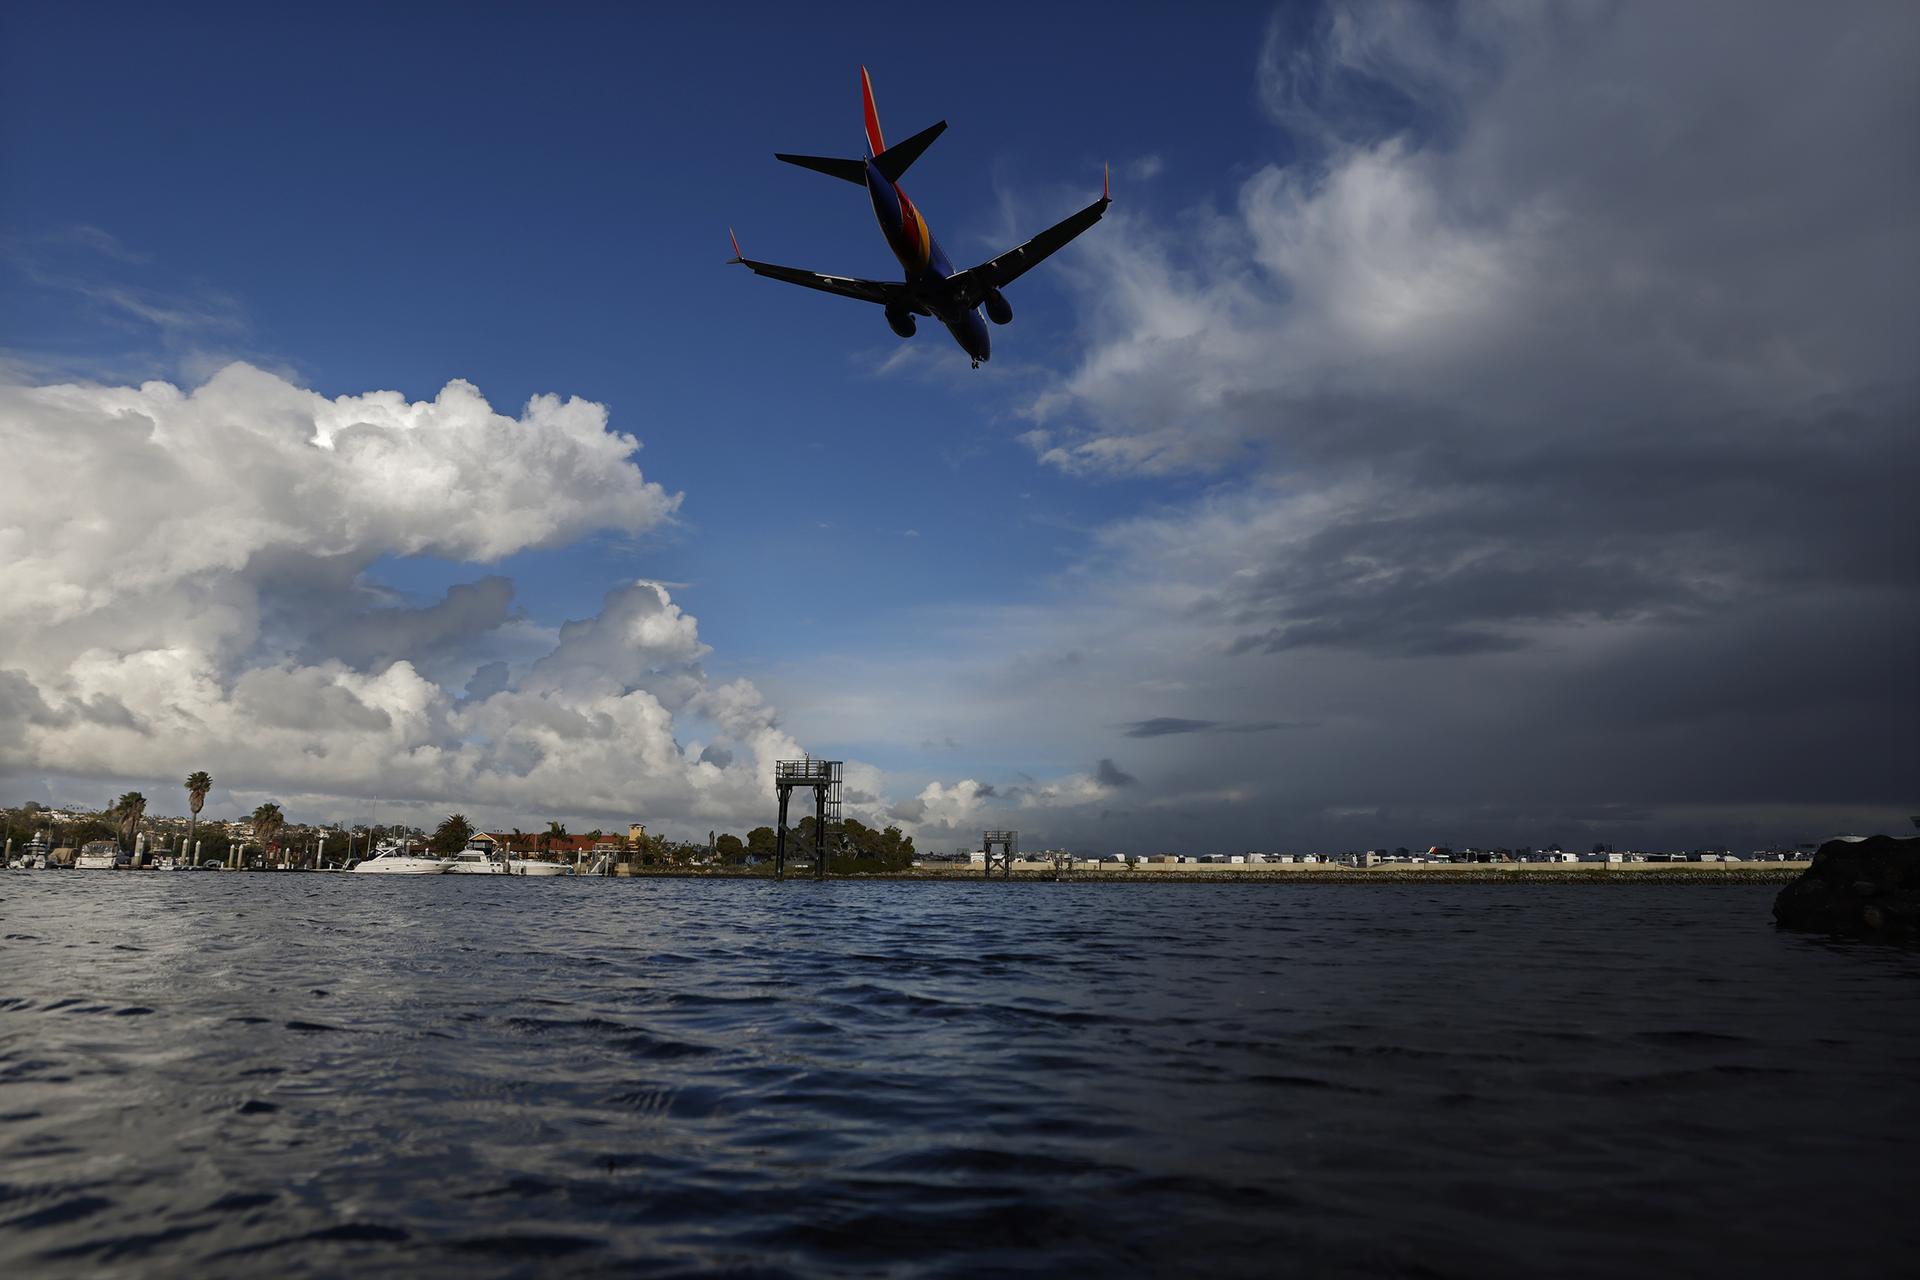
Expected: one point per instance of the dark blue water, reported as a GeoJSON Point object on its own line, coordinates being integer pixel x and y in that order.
{"type": "Point", "coordinates": [214, 1075]}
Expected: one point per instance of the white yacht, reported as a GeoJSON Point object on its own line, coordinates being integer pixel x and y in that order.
{"type": "Point", "coordinates": [100, 855]}
{"type": "Point", "coordinates": [478, 859]}
{"type": "Point", "coordinates": [393, 859]}
{"type": "Point", "coordinates": [34, 857]}
{"type": "Point", "coordinates": [485, 858]}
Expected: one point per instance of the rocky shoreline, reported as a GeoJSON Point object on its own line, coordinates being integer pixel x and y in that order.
{"type": "Point", "coordinates": [1860, 888]}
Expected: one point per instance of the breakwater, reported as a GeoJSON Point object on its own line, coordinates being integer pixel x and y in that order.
{"type": "Point", "coordinates": [1635, 874]}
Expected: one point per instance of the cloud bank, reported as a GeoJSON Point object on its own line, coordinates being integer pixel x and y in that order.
{"type": "Point", "coordinates": [183, 588]}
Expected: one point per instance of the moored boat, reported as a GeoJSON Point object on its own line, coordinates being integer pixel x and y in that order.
{"type": "Point", "coordinates": [100, 855]}
{"type": "Point", "coordinates": [478, 859]}
{"type": "Point", "coordinates": [36, 854]}
{"type": "Point", "coordinates": [393, 859]}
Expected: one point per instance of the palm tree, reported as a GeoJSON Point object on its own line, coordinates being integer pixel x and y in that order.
{"type": "Point", "coordinates": [555, 831]}
{"type": "Point", "coordinates": [452, 834]}
{"type": "Point", "coordinates": [199, 782]}
{"type": "Point", "coordinates": [127, 812]}
{"type": "Point", "coordinates": [267, 821]}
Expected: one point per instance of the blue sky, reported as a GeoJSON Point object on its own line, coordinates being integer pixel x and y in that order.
{"type": "Point", "coordinates": [537, 200]}
{"type": "Point", "coordinates": [1288, 464]}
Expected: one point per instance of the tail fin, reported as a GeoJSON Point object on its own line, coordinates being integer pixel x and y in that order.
{"type": "Point", "coordinates": [875, 142]}
{"type": "Point", "coordinates": [891, 163]}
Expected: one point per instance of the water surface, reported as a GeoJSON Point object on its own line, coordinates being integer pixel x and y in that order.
{"type": "Point", "coordinates": [216, 1075]}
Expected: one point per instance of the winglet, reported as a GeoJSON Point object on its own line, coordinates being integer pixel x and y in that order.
{"type": "Point", "coordinates": [1106, 177]}
{"type": "Point", "coordinates": [737, 257]}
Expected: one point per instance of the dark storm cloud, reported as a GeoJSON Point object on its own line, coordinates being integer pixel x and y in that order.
{"type": "Point", "coordinates": [1109, 774]}
{"type": "Point", "coordinates": [1568, 368]}
{"type": "Point", "coordinates": [1668, 523]}
{"type": "Point", "coordinates": [1167, 726]}
{"type": "Point", "coordinates": [1164, 725]}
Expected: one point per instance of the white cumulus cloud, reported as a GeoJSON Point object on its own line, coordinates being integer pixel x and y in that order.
{"type": "Point", "coordinates": [182, 586]}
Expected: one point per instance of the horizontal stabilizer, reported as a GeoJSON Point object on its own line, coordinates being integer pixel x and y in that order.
{"type": "Point", "coordinates": [846, 170]}
{"type": "Point", "coordinates": [894, 160]}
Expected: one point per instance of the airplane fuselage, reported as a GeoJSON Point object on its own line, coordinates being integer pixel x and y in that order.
{"type": "Point", "coordinates": [931, 286]}
{"type": "Point", "coordinates": [925, 263]}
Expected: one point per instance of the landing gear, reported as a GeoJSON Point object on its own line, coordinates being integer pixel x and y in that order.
{"type": "Point", "coordinates": [976, 362]}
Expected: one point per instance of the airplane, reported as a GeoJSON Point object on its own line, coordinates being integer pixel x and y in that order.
{"type": "Point", "coordinates": [932, 287]}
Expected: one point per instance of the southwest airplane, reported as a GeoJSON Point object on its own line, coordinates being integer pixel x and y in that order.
{"type": "Point", "coordinates": [932, 287]}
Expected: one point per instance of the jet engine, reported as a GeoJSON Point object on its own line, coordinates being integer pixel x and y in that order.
{"type": "Point", "coordinates": [902, 321]}
{"type": "Point", "coordinates": [999, 310]}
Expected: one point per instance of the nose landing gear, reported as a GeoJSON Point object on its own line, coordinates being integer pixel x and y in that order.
{"type": "Point", "coordinates": [976, 362]}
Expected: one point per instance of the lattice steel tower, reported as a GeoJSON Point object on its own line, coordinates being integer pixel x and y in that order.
{"type": "Point", "coordinates": [824, 777]}
{"type": "Point", "coordinates": [1009, 842]}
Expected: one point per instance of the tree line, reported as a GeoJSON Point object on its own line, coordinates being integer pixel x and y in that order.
{"type": "Point", "coordinates": [854, 846]}
{"type": "Point", "coordinates": [858, 846]}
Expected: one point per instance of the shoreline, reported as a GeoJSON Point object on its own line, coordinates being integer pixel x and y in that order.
{"type": "Point", "coordinates": [1477, 873]}
{"type": "Point", "coordinates": [1544, 873]}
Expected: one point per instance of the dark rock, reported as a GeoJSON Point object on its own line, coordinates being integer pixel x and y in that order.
{"type": "Point", "coordinates": [1832, 895]}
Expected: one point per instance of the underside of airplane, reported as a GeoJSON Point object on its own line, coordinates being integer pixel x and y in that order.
{"type": "Point", "coordinates": [930, 287]}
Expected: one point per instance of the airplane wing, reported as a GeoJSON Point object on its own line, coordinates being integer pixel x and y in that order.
{"type": "Point", "coordinates": [887, 293]}
{"type": "Point", "coordinates": [999, 272]}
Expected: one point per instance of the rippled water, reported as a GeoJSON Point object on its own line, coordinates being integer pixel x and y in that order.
{"type": "Point", "coordinates": [246, 1074]}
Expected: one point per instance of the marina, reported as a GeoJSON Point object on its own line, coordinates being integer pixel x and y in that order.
{"type": "Point", "coordinates": [481, 856]}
